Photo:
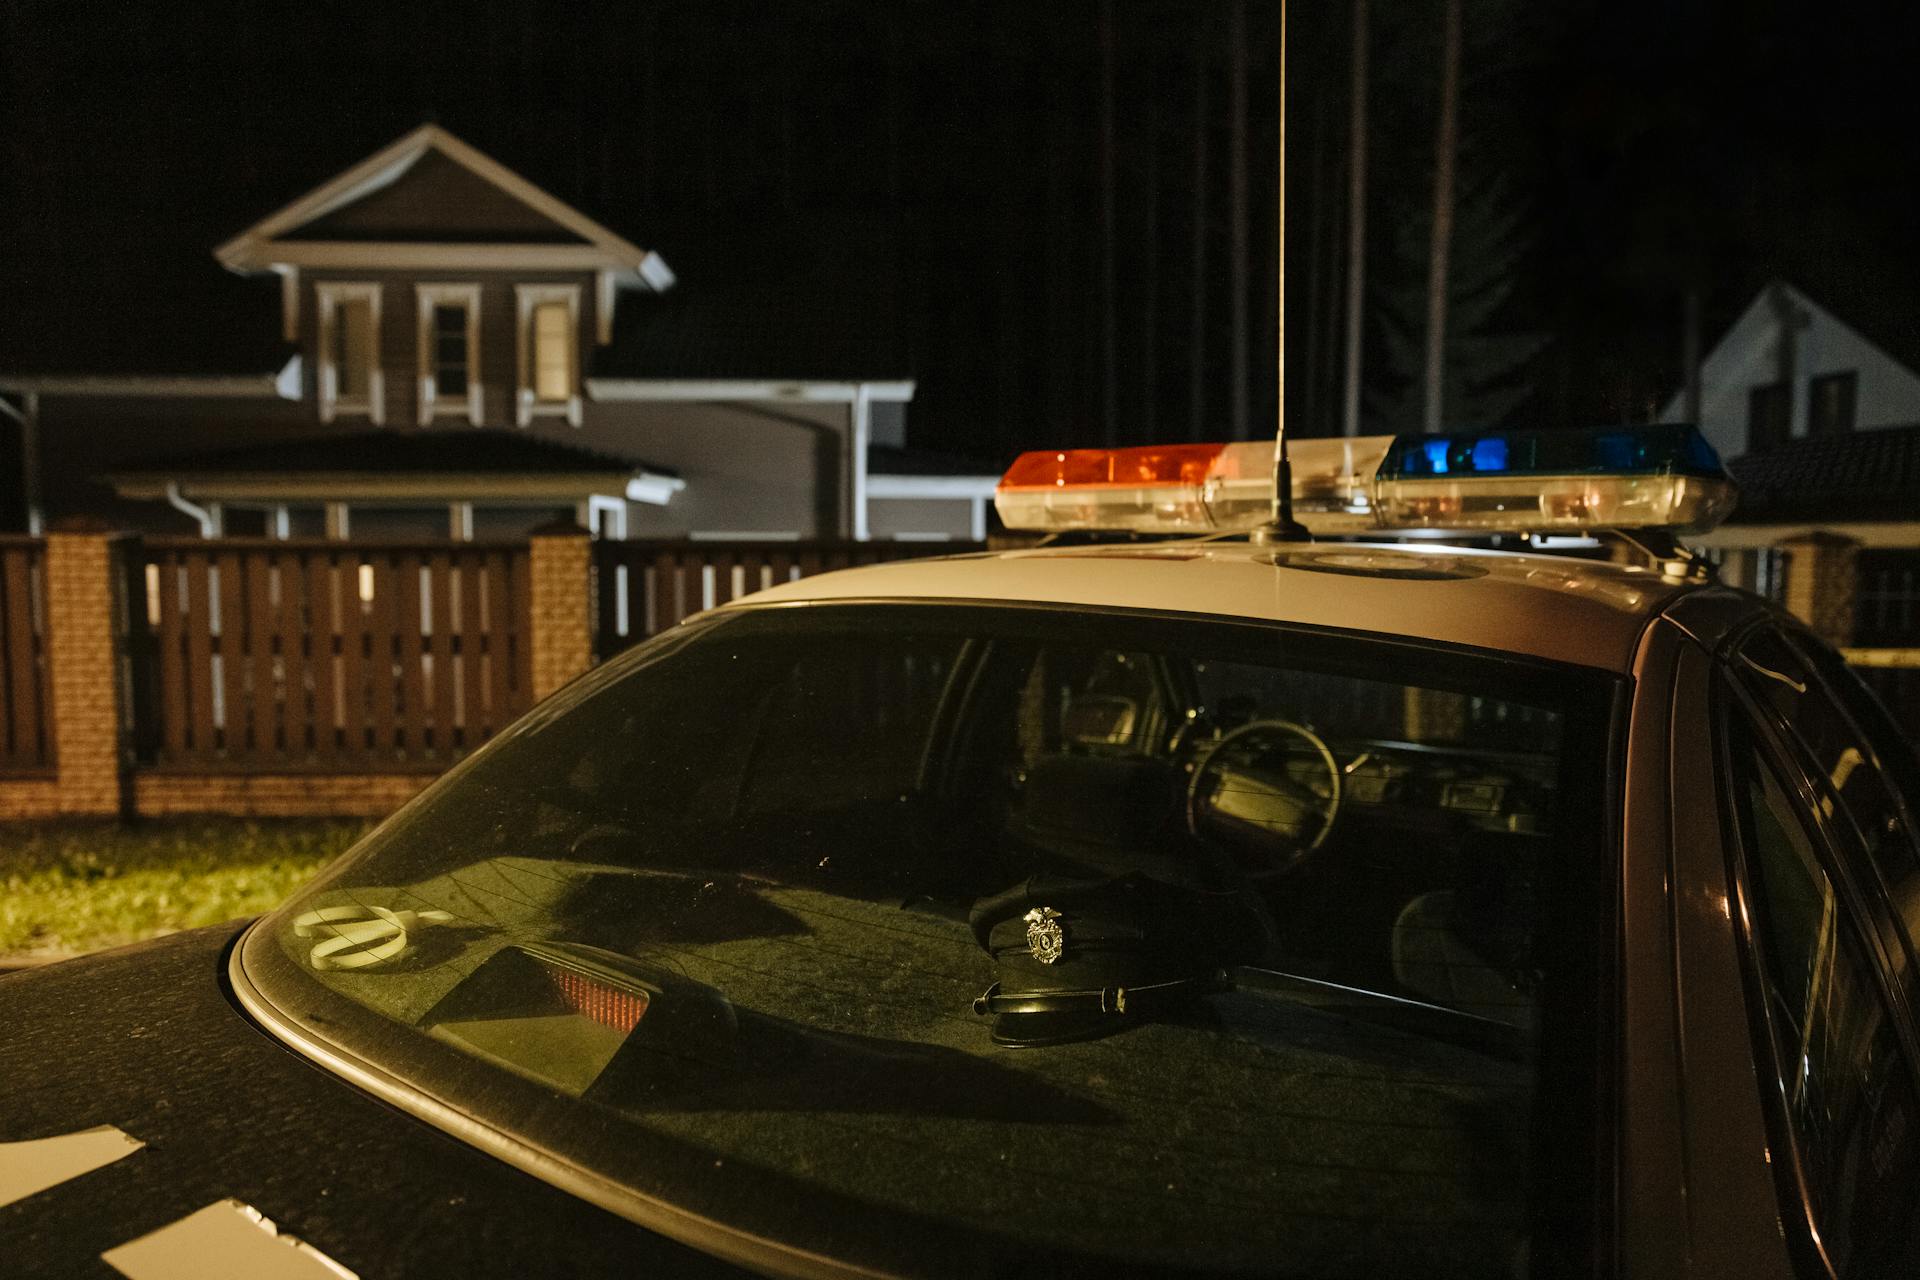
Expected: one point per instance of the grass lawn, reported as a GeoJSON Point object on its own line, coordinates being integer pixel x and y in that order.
{"type": "Point", "coordinates": [80, 886]}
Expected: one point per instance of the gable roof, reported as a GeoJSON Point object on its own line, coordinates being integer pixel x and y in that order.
{"type": "Point", "coordinates": [398, 466]}
{"type": "Point", "coordinates": [464, 452]}
{"type": "Point", "coordinates": [1863, 475]}
{"type": "Point", "coordinates": [362, 215]}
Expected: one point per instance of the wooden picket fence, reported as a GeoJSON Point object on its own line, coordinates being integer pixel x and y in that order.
{"type": "Point", "coordinates": [646, 587]}
{"type": "Point", "coordinates": [26, 728]}
{"type": "Point", "coordinates": [253, 654]}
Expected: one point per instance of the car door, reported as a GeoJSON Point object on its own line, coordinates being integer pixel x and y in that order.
{"type": "Point", "coordinates": [1815, 840]}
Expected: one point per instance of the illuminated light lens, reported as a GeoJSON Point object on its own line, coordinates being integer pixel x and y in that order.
{"type": "Point", "coordinates": [1081, 468]}
{"type": "Point", "coordinates": [597, 1002]}
{"type": "Point", "coordinates": [1197, 488]}
{"type": "Point", "coordinates": [1511, 482]}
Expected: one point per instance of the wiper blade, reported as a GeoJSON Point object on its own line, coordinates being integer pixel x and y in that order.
{"type": "Point", "coordinates": [1435, 1022]}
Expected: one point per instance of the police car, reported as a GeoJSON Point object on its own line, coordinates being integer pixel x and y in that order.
{"type": "Point", "coordinates": [1178, 899]}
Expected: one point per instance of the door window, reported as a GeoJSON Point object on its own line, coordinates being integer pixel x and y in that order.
{"type": "Point", "coordinates": [1857, 771]}
{"type": "Point", "coordinates": [1844, 1085]}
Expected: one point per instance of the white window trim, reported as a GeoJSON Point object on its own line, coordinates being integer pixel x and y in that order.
{"type": "Point", "coordinates": [432, 404]}
{"type": "Point", "coordinates": [526, 298]}
{"type": "Point", "coordinates": [329, 294]}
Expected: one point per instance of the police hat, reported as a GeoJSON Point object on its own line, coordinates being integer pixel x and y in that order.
{"type": "Point", "coordinates": [1075, 959]}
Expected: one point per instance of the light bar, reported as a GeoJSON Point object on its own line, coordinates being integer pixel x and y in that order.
{"type": "Point", "coordinates": [1495, 482]}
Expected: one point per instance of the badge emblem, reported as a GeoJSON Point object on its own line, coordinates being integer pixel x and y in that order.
{"type": "Point", "coordinates": [1044, 936]}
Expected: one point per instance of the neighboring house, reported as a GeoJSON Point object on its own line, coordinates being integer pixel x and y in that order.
{"type": "Point", "coordinates": [1790, 369]}
{"type": "Point", "coordinates": [1820, 427]}
{"type": "Point", "coordinates": [429, 343]}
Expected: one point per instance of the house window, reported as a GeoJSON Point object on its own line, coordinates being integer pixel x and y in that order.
{"type": "Point", "coordinates": [449, 346]}
{"type": "Point", "coordinates": [1769, 416]}
{"type": "Point", "coordinates": [1830, 403]}
{"type": "Point", "coordinates": [549, 351]}
{"type": "Point", "coordinates": [349, 379]}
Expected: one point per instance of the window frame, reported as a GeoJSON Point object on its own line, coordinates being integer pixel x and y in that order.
{"type": "Point", "coordinates": [329, 296]}
{"type": "Point", "coordinates": [428, 299]}
{"type": "Point", "coordinates": [1760, 433]}
{"type": "Point", "coordinates": [1849, 379]}
{"type": "Point", "coordinates": [527, 299]}
{"type": "Point", "coordinates": [1777, 751]}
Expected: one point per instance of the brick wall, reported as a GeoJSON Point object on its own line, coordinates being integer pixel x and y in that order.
{"type": "Point", "coordinates": [84, 617]}
{"type": "Point", "coordinates": [561, 599]}
{"type": "Point", "coordinates": [27, 799]}
{"type": "Point", "coordinates": [275, 795]}
{"type": "Point", "coordinates": [1822, 579]}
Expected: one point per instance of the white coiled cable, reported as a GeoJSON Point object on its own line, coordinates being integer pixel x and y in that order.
{"type": "Point", "coordinates": [360, 937]}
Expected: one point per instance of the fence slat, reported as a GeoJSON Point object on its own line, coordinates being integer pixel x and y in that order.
{"type": "Point", "coordinates": [237, 726]}
{"type": "Point", "coordinates": [262, 632]}
{"type": "Point", "coordinates": [519, 605]}
{"type": "Point", "coordinates": [326, 596]}
{"type": "Point", "coordinates": [473, 641]}
{"type": "Point", "coordinates": [197, 567]}
{"type": "Point", "coordinates": [172, 655]}
{"type": "Point", "coordinates": [440, 607]}
{"type": "Point", "coordinates": [413, 686]}
{"type": "Point", "coordinates": [499, 649]}
{"type": "Point", "coordinates": [298, 574]}
{"type": "Point", "coordinates": [344, 573]}
{"type": "Point", "coordinates": [21, 680]}
{"type": "Point", "coordinates": [382, 679]}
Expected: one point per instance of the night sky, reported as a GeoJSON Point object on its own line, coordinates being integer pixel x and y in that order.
{"type": "Point", "coordinates": [1058, 257]}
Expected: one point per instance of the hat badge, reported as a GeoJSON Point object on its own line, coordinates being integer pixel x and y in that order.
{"type": "Point", "coordinates": [1044, 936]}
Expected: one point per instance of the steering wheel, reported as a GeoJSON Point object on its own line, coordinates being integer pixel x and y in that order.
{"type": "Point", "coordinates": [1278, 804]}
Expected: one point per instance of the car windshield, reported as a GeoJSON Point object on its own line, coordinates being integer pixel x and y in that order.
{"type": "Point", "coordinates": [930, 937]}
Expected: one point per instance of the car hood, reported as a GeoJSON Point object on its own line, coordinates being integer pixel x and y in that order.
{"type": "Point", "coordinates": [148, 1039]}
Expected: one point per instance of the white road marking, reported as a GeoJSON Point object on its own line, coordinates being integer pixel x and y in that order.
{"type": "Point", "coordinates": [27, 1168]}
{"type": "Point", "coordinates": [227, 1240]}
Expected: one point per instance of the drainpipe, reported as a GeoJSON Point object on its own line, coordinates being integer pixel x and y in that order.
{"type": "Point", "coordinates": [28, 416]}
{"type": "Point", "coordinates": [209, 526]}
{"type": "Point", "coordinates": [862, 437]}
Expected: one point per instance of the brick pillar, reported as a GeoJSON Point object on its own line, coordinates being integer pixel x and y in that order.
{"type": "Point", "coordinates": [85, 607]}
{"type": "Point", "coordinates": [561, 600]}
{"type": "Point", "coordinates": [1822, 577]}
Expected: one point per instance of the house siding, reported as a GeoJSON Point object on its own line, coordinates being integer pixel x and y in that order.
{"type": "Point", "coordinates": [762, 468]}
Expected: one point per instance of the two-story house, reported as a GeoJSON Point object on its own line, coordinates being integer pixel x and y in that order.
{"type": "Point", "coordinates": [1820, 426]}
{"type": "Point", "coordinates": [428, 343]}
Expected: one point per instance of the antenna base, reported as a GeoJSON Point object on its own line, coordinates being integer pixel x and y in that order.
{"type": "Point", "coordinates": [1278, 531]}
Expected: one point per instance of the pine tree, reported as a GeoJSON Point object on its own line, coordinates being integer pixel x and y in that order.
{"type": "Point", "coordinates": [1487, 353]}
{"type": "Point", "coordinates": [1486, 363]}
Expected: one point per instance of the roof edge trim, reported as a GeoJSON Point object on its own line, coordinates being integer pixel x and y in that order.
{"type": "Point", "coordinates": [667, 389]}
{"type": "Point", "coordinates": [257, 247]}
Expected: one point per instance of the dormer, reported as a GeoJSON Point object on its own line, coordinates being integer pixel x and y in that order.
{"type": "Point", "coordinates": [429, 284]}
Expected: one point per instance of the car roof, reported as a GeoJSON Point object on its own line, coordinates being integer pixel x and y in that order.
{"type": "Point", "coordinates": [1558, 608]}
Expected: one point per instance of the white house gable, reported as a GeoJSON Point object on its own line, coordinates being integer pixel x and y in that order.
{"type": "Point", "coordinates": [1789, 368]}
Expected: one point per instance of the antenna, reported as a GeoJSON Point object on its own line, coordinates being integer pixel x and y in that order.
{"type": "Point", "coordinates": [1282, 527]}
